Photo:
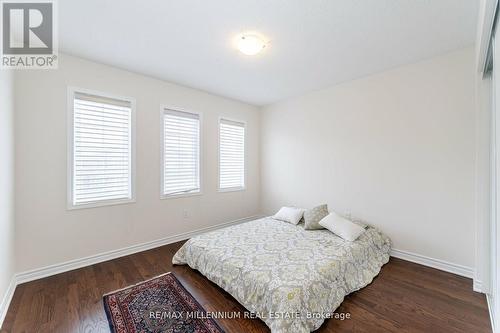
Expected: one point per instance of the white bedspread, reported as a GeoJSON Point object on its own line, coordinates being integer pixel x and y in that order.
{"type": "Point", "coordinates": [289, 277]}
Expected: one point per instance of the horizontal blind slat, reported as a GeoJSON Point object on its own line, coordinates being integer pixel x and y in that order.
{"type": "Point", "coordinates": [102, 190]}
{"type": "Point", "coordinates": [103, 114]}
{"type": "Point", "coordinates": [231, 154]}
{"type": "Point", "coordinates": [101, 149]}
{"type": "Point", "coordinates": [97, 182]}
{"type": "Point", "coordinates": [83, 127]}
{"type": "Point", "coordinates": [181, 131]}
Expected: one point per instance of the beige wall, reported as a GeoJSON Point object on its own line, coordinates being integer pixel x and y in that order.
{"type": "Point", "coordinates": [483, 183]}
{"type": "Point", "coordinates": [6, 182]}
{"type": "Point", "coordinates": [47, 233]}
{"type": "Point", "coordinates": [395, 149]}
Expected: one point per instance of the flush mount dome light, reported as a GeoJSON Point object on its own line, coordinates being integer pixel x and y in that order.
{"type": "Point", "coordinates": [250, 44]}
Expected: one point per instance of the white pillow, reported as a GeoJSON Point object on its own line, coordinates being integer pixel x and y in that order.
{"type": "Point", "coordinates": [342, 227]}
{"type": "Point", "coordinates": [289, 214]}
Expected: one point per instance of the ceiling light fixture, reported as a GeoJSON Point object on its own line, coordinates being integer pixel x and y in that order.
{"type": "Point", "coordinates": [250, 44]}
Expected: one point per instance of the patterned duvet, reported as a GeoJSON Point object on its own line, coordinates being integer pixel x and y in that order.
{"type": "Point", "coordinates": [289, 277]}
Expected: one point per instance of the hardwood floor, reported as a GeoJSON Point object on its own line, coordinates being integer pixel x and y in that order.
{"type": "Point", "coordinates": [405, 297]}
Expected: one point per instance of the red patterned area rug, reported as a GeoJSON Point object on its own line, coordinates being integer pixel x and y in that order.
{"type": "Point", "coordinates": [159, 305]}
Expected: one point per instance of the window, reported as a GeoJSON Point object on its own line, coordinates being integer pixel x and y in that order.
{"type": "Point", "coordinates": [101, 150]}
{"type": "Point", "coordinates": [181, 153]}
{"type": "Point", "coordinates": [231, 155]}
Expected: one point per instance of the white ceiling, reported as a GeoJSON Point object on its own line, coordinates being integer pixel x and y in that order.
{"type": "Point", "coordinates": [313, 43]}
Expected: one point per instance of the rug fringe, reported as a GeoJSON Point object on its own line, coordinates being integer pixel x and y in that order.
{"type": "Point", "coordinates": [136, 284]}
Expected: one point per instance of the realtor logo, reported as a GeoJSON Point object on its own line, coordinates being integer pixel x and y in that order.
{"type": "Point", "coordinates": [28, 34]}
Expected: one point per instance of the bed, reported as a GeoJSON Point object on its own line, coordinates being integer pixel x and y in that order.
{"type": "Point", "coordinates": [293, 279]}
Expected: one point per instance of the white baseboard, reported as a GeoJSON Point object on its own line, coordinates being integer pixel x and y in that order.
{"type": "Point", "coordinates": [461, 270]}
{"type": "Point", "coordinates": [95, 259]}
{"type": "Point", "coordinates": [434, 263]}
{"type": "Point", "coordinates": [40, 273]}
{"type": "Point", "coordinates": [98, 258]}
{"type": "Point", "coordinates": [490, 309]}
{"type": "Point", "coordinates": [477, 286]}
{"type": "Point", "coordinates": [4, 305]}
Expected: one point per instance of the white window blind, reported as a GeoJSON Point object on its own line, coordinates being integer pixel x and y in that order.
{"type": "Point", "coordinates": [231, 155]}
{"type": "Point", "coordinates": [101, 149]}
{"type": "Point", "coordinates": [181, 153]}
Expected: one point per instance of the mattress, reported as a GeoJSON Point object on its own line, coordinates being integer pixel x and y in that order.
{"type": "Point", "coordinates": [291, 278]}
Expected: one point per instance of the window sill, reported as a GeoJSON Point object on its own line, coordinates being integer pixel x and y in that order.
{"type": "Point", "coordinates": [182, 195]}
{"type": "Point", "coordinates": [100, 204]}
{"type": "Point", "coordinates": [232, 189]}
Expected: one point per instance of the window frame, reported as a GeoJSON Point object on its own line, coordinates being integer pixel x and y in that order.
{"type": "Point", "coordinates": [163, 196]}
{"type": "Point", "coordinates": [239, 188]}
{"type": "Point", "coordinates": [71, 92]}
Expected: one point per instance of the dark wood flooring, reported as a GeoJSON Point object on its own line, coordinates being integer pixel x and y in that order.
{"type": "Point", "coordinates": [405, 297]}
